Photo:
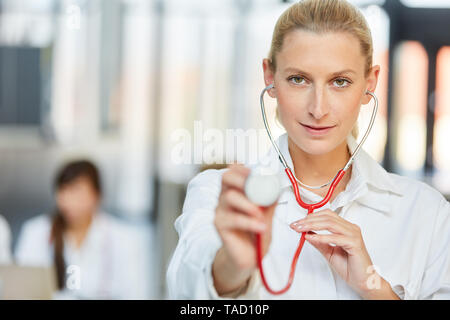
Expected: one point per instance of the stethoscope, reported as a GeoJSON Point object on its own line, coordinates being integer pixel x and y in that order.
{"type": "Point", "coordinates": [294, 181]}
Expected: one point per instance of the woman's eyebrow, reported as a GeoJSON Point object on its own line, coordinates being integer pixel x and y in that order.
{"type": "Point", "coordinates": [295, 70]}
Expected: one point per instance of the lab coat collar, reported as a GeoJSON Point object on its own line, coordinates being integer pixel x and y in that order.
{"type": "Point", "coordinates": [93, 235]}
{"type": "Point", "coordinates": [366, 173]}
{"type": "Point", "coordinates": [371, 171]}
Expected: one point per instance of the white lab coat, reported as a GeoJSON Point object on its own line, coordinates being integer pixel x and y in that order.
{"type": "Point", "coordinates": [5, 242]}
{"type": "Point", "coordinates": [106, 261]}
{"type": "Point", "coordinates": [405, 225]}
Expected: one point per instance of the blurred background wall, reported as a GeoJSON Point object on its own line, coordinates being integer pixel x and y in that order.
{"type": "Point", "coordinates": [115, 80]}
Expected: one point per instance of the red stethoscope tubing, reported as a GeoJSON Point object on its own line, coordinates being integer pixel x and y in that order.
{"type": "Point", "coordinates": [310, 208]}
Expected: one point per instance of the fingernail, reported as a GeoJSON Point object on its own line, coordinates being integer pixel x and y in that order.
{"type": "Point", "coordinates": [296, 226]}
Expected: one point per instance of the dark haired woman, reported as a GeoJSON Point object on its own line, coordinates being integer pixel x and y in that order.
{"type": "Point", "coordinates": [87, 247]}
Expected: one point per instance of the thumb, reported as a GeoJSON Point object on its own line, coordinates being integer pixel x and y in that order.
{"type": "Point", "coordinates": [268, 219]}
{"type": "Point", "coordinates": [269, 212]}
{"type": "Point", "coordinates": [271, 209]}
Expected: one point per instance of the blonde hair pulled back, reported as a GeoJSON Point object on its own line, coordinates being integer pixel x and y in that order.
{"type": "Point", "coordinates": [323, 16]}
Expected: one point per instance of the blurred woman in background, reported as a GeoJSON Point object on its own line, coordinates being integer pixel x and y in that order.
{"type": "Point", "coordinates": [86, 246]}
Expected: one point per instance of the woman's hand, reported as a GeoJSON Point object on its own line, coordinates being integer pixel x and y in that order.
{"type": "Point", "coordinates": [237, 220]}
{"type": "Point", "coordinates": [349, 257]}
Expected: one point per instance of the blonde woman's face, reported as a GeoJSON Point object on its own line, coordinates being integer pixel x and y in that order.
{"type": "Point", "coordinates": [320, 82]}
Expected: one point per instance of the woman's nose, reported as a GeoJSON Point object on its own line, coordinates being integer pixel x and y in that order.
{"type": "Point", "coordinates": [318, 107]}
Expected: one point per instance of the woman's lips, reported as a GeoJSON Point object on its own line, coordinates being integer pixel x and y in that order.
{"type": "Point", "coordinates": [313, 130]}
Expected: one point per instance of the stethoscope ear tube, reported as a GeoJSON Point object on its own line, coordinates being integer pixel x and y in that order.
{"type": "Point", "coordinates": [366, 134]}
{"type": "Point", "coordinates": [266, 125]}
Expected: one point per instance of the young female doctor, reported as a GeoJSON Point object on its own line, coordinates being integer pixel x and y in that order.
{"type": "Point", "coordinates": [381, 236]}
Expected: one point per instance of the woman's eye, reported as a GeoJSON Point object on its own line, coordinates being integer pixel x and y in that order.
{"type": "Point", "coordinates": [341, 83]}
{"type": "Point", "coordinates": [297, 80]}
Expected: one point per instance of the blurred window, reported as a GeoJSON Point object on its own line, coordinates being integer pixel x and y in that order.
{"type": "Point", "coordinates": [410, 103]}
{"type": "Point", "coordinates": [20, 88]}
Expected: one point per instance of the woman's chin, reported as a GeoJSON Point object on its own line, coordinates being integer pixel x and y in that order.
{"type": "Point", "coordinates": [315, 147]}
{"type": "Point", "coordinates": [316, 150]}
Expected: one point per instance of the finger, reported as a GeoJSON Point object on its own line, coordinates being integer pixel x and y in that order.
{"type": "Point", "coordinates": [331, 239]}
{"type": "Point", "coordinates": [238, 221]}
{"type": "Point", "coordinates": [333, 216]}
{"type": "Point", "coordinates": [239, 202]}
{"type": "Point", "coordinates": [320, 225]}
{"type": "Point", "coordinates": [240, 168]}
{"type": "Point", "coordinates": [234, 178]}
{"type": "Point", "coordinates": [346, 226]}
{"type": "Point", "coordinates": [324, 248]}
{"type": "Point", "coordinates": [270, 210]}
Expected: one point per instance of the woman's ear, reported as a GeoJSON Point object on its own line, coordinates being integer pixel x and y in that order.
{"type": "Point", "coordinates": [268, 76]}
{"type": "Point", "coordinates": [371, 83]}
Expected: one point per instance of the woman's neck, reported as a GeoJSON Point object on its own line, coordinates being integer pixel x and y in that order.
{"type": "Point", "coordinates": [315, 170]}
{"type": "Point", "coordinates": [78, 231]}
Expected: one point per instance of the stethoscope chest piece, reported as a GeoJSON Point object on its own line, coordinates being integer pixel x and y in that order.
{"type": "Point", "coordinates": [262, 190]}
